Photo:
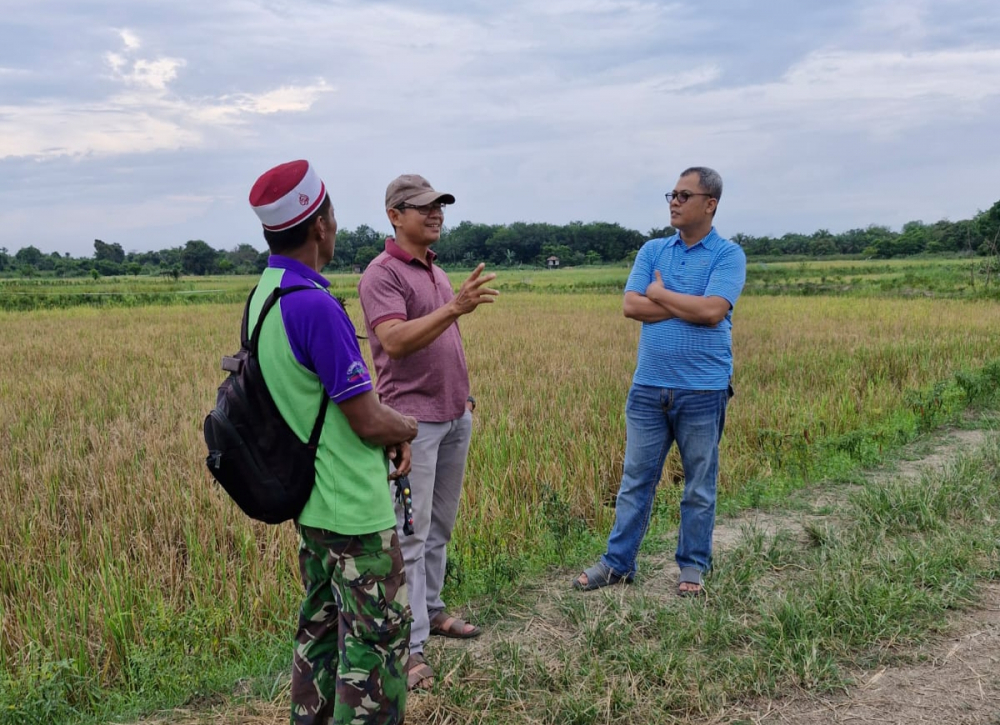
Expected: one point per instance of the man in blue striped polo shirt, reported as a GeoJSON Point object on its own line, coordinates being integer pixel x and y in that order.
{"type": "Point", "coordinates": [683, 290]}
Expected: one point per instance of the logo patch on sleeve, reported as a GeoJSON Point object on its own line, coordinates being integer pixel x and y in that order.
{"type": "Point", "coordinates": [356, 372]}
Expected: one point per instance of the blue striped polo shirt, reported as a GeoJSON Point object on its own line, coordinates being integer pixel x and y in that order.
{"type": "Point", "coordinates": [678, 354]}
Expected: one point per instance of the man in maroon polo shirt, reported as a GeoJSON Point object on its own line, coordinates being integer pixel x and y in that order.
{"type": "Point", "coordinates": [412, 318]}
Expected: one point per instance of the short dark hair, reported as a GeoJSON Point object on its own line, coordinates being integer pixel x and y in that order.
{"type": "Point", "coordinates": [708, 179]}
{"type": "Point", "coordinates": [292, 238]}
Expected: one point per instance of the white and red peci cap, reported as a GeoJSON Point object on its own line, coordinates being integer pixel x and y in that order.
{"type": "Point", "coordinates": [287, 195]}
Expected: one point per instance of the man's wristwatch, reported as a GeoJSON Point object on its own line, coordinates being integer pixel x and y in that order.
{"type": "Point", "coordinates": [473, 401]}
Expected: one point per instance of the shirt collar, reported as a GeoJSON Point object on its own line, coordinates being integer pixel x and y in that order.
{"type": "Point", "coordinates": [294, 265]}
{"type": "Point", "coordinates": [394, 250]}
{"type": "Point", "coordinates": [709, 241]}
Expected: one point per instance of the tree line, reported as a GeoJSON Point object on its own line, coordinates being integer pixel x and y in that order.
{"type": "Point", "coordinates": [509, 245]}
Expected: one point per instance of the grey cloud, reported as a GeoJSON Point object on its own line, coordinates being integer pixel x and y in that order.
{"type": "Point", "coordinates": [526, 111]}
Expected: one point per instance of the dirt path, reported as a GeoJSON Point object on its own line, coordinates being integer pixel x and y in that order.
{"type": "Point", "coordinates": [958, 682]}
{"type": "Point", "coordinates": [955, 681]}
{"type": "Point", "coordinates": [815, 504]}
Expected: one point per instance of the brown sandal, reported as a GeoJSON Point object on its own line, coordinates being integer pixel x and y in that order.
{"type": "Point", "coordinates": [444, 625]}
{"type": "Point", "coordinates": [419, 675]}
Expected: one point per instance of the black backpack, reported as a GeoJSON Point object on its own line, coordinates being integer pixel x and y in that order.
{"type": "Point", "coordinates": [252, 452]}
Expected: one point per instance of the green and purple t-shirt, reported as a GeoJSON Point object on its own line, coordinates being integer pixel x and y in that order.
{"type": "Point", "coordinates": [308, 344]}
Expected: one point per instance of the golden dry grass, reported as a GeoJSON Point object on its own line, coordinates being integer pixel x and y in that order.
{"type": "Point", "coordinates": [110, 518]}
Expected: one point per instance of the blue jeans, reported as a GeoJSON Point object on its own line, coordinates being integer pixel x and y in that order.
{"type": "Point", "coordinates": [655, 418]}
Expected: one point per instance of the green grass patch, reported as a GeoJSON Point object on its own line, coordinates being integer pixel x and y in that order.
{"type": "Point", "coordinates": [960, 278]}
{"type": "Point", "coordinates": [111, 515]}
{"type": "Point", "coordinates": [179, 659]}
{"type": "Point", "coordinates": [782, 614]}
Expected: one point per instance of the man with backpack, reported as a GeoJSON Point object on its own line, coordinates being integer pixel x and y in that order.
{"type": "Point", "coordinates": [352, 640]}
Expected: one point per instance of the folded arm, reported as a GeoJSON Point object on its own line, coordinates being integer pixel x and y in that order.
{"type": "Point", "coordinates": [642, 308]}
{"type": "Point", "coordinates": [696, 309]}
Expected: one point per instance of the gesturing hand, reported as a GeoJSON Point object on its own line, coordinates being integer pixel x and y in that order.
{"type": "Point", "coordinates": [472, 293]}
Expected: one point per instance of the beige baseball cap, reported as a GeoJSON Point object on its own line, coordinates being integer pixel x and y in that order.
{"type": "Point", "coordinates": [413, 189]}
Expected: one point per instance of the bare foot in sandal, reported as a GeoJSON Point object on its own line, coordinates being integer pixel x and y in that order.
{"type": "Point", "coordinates": [688, 589]}
{"type": "Point", "coordinates": [690, 584]}
{"type": "Point", "coordinates": [445, 625]}
{"type": "Point", "coordinates": [419, 675]}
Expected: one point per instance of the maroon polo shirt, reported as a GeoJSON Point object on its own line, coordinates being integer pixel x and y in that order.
{"type": "Point", "coordinates": [432, 384]}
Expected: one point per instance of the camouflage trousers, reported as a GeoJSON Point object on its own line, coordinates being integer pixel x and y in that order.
{"type": "Point", "coordinates": [353, 638]}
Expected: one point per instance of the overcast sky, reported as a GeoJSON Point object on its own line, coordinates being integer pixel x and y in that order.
{"type": "Point", "coordinates": [146, 122]}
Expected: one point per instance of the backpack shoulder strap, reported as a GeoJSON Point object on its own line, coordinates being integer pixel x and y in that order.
{"type": "Point", "coordinates": [244, 334]}
{"type": "Point", "coordinates": [271, 300]}
{"type": "Point", "coordinates": [254, 341]}
{"type": "Point", "coordinates": [320, 420]}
